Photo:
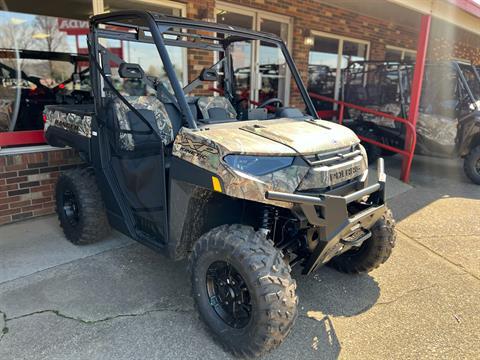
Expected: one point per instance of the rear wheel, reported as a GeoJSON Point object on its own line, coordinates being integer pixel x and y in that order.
{"type": "Point", "coordinates": [373, 252]}
{"type": "Point", "coordinates": [471, 165]}
{"type": "Point", "coordinates": [80, 207]}
{"type": "Point", "coordinates": [243, 289]}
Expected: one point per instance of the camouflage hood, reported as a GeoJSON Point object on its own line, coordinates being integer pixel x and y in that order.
{"type": "Point", "coordinates": [208, 146]}
{"type": "Point", "coordinates": [279, 137]}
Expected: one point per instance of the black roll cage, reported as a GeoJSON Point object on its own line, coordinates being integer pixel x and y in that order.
{"type": "Point", "coordinates": [157, 26]}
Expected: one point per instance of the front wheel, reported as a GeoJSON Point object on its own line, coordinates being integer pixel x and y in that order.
{"type": "Point", "coordinates": [373, 252]}
{"type": "Point", "coordinates": [243, 289]}
{"type": "Point", "coordinates": [471, 165]}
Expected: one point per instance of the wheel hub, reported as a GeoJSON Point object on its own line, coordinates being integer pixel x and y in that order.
{"type": "Point", "coordinates": [70, 207]}
{"type": "Point", "coordinates": [228, 294]}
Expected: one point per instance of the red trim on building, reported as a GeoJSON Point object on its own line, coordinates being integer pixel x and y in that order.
{"type": "Point", "coordinates": [32, 137]}
{"type": "Point", "coordinates": [469, 6]}
{"type": "Point", "coordinates": [416, 92]}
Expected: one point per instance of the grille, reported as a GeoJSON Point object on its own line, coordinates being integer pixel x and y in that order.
{"type": "Point", "coordinates": [333, 157]}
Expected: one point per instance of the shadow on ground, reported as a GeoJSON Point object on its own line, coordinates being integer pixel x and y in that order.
{"type": "Point", "coordinates": [432, 179]}
{"type": "Point", "coordinates": [325, 295]}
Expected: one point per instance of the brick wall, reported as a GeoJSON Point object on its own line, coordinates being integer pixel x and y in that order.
{"type": "Point", "coordinates": [27, 182]}
{"type": "Point", "coordinates": [199, 59]}
{"type": "Point", "coordinates": [447, 42]}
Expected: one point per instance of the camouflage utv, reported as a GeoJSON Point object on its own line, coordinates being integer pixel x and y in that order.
{"type": "Point", "coordinates": [245, 192]}
{"type": "Point", "coordinates": [448, 123]}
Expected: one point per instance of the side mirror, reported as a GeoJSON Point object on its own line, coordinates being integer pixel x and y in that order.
{"type": "Point", "coordinates": [130, 71]}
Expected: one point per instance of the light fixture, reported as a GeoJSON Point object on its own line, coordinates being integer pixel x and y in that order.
{"type": "Point", "coordinates": [17, 21]}
{"type": "Point", "coordinates": [308, 38]}
{"type": "Point", "coordinates": [40, 36]}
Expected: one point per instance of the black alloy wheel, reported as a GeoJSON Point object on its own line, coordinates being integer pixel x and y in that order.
{"type": "Point", "coordinates": [228, 294]}
{"type": "Point", "coordinates": [242, 288]}
{"type": "Point", "coordinates": [70, 207]}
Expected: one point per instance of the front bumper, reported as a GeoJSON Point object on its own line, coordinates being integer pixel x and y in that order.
{"type": "Point", "coordinates": [338, 230]}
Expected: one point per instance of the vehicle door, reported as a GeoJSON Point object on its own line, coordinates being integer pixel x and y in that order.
{"type": "Point", "coordinates": [138, 131]}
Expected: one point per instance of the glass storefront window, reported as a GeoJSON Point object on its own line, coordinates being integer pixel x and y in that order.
{"type": "Point", "coordinates": [410, 55]}
{"type": "Point", "coordinates": [393, 55]}
{"type": "Point", "coordinates": [241, 52]}
{"type": "Point", "coordinates": [35, 69]}
{"type": "Point", "coordinates": [353, 51]}
{"type": "Point", "coordinates": [327, 58]}
{"type": "Point", "coordinates": [38, 67]}
{"type": "Point", "coordinates": [272, 66]}
{"type": "Point", "coordinates": [266, 62]}
{"type": "Point", "coordinates": [399, 54]}
{"type": "Point", "coordinates": [322, 68]}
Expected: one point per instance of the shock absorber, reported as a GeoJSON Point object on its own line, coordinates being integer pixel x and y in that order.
{"type": "Point", "coordinates": [268, 220]}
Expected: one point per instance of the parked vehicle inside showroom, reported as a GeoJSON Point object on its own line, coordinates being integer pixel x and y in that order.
{"type": "Point", "coordinates": [448, 123]}
{"type": "Point", "coordinates": [244, 194]}
{"type": "Point", "coordinates": [31, 79]}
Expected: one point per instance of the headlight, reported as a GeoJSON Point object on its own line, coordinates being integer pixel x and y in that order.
{"type": "Point", "coordinates": [258, 165]}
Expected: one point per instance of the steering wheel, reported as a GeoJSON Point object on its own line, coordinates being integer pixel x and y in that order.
{"type": "Point", "coordinates": [268, 102]}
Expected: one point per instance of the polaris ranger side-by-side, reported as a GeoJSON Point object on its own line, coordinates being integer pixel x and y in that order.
{"type": "Point", "coordinates": [448, 123]}
{"type": "Point", "coordinates": [245, 192]}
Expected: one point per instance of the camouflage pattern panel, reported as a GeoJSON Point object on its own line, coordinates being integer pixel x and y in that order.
{"type": "Point", "coordinates": [6, 109]}
{"type": "Point", "coordinates": [148, 103]}
{"type": "Point", "coordinates": [304, 136]}
{"type": "Point", "coordinates": [206, 103]}
{"type": "Point", "coordinates": [390, 108]}
{"type": "Point", "coordinates": [198, 150]}
{"type": "Point", "coordinates": [279, 137]}
{"type": "Point", "coordinates": [439, 129]}
{"type": "Point", "coordinates": [75, 123]}
{"type": "Point", "coordinates": [207, 147]}
{"type": "Point", "coordinates": [208, 155]}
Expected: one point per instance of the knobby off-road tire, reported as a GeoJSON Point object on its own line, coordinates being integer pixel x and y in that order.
{"type": "Point", "coordinates": [271, 290]}
{"type": "Point", "coordinates": [471, 165]}
{"type": "Point", "coordinates": [373, 252]}
{"type": "Point", "coordinates": [80, 207]}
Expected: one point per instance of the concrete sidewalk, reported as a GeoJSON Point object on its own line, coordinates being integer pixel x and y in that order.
{"type": "Point", "coordinates": [120, 300]}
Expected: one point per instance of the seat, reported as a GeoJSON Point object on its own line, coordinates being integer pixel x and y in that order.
{"type": "Point", "coordinates": [151, 109]}
{"type": "Point", "coordinates": [216, 108]}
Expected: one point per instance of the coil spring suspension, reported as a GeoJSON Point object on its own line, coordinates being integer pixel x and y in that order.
{"type": "Point", "coordinates": [269, 216]}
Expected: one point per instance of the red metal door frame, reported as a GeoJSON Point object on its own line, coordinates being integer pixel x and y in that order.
{"type": "Point", "coordinates": [416, 93]}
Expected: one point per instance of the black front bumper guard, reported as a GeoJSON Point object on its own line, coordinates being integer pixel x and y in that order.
{"type": "Point", "coordinates": [329, 214]}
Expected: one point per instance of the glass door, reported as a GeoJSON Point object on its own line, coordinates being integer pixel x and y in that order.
{"type": "Point", "coordinates": [322, 70]}
{"type": "Point", "coordinates": [272, 71]}
{"type": "Point", "coordinates": [242, 52]}
{"type": "Point", "coordinates": [261, 71]}
{"type": "Point", "coordinates": [328, 56]}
